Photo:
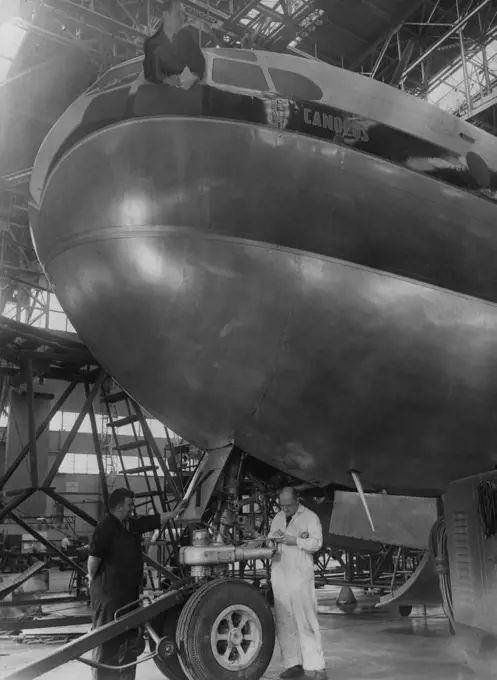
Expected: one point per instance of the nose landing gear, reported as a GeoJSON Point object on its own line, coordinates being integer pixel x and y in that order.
{"type": "Point", "coordinates": [225, 628]}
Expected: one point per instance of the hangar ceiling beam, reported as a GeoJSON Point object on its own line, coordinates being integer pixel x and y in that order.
{"type": "Point", "coordinates": [85, 14]}
{"type": "Point", "coordinates": [230, 23]}
{"type": "Point", "coordinates": [434, 52]}
{"type": "Point", "coordinates": [380, 42]}
{"type": "Point", "coordinates": [460, 24]}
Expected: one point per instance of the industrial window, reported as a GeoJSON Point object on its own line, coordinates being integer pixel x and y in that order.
{"type": "Point", "coordinates": [239, 74]}
{"type": "Point", "coordinates": [79, 464]}
{"type": "Point", "coordinates": [134, 462]}
{"type": "Point", "coordinates": [57, 320]}
{"type": "Point", "coordinates": [46, 313]}
{"type": "Point", "coordinates": [295, 86]}
{"type": "Point", "coordinates": [87, 464]}
{"type": "Point", "coordinates": [63, 421]}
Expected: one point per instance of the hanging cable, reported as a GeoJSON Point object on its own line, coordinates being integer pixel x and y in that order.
{"type": "Point", "coordinates": [439, 550]}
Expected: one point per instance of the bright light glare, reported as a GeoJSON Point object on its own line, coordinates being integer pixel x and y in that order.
{"type": "Point", "coordinates": [150, 263]}
{"type": "Point", "coordinates": [9, 9]}
{"type": "Point", "coordinates": [133, 211]}
{"type": "Point", "coordinates": [11, 37]}
{"type": "Point", "coordinates": [5, 65]}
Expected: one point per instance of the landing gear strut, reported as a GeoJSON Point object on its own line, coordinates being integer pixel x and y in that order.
{"type": "Point", "coordinates": [207, 626]}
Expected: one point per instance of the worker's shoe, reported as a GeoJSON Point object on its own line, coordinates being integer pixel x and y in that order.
{"type": "Point", "coordinates": [316, 675]}
{"type": "Point", "coordinates": [293, 672]}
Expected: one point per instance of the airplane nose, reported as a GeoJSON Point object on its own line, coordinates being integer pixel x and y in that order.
{"type": "Point", "coordinates": [186, 319]}
{"type": "Point", "coordinates": [202, 262]}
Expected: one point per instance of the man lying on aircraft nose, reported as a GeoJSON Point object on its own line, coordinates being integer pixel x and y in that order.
{"type": "Point", "coordinates": [172, 54]}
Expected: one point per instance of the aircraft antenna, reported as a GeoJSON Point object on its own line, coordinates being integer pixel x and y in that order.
{"type": "Point", "coordinates": [360, 491]}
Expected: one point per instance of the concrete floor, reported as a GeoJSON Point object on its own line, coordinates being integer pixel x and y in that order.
{"type": "Point", "coordinates": [358, 646]}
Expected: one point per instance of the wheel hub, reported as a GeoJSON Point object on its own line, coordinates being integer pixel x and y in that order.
{"type": "Point", "coordinates": [236, 637]}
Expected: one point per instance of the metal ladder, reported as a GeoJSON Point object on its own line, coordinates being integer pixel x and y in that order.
{"type": "Point", "coordinates": [150, 457]}
{"type": "Point", "coordinates": [154, 495]}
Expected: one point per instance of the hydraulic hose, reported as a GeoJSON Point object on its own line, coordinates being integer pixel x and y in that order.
{"type": "Point", "coordinates": [438, 547]}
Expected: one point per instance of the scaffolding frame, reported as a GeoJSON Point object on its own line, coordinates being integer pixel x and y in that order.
{"type": "Point", "coordinates": [28, 360]}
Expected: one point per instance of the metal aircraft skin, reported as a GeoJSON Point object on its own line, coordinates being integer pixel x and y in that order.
{"type": "Point", "coordinates": [295, 258]}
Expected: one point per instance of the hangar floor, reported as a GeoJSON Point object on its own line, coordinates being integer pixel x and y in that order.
{"type": "Point", "coordinates": [358, 646]}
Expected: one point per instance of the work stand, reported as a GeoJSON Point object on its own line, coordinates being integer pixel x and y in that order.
{"type": "Point", "coordinates": [29, 355]}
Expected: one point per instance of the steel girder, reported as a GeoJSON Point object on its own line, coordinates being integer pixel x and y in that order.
{"type": "Point", "coordinates": [113, 30]}
{"type": "Point", "coordinates": [433, 26]}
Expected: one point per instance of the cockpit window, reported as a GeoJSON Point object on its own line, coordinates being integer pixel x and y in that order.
{"type": "Point", "coordinates": [239, 74]}
{"type": "Point", "coordinates": [244, 55]}
{"type": "Point", "coordinates": [295, 86]}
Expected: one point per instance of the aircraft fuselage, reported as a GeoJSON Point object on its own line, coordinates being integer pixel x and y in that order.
{"type": "Point", "coordinates": [311, 278]}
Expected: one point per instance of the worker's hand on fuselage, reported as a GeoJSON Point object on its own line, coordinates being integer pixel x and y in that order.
{"type": "Point", "coordinates": [188, 84]}
{"type": "Point", "coordinates": [172, 80]}
{"type": "Point", "coordinates": [187, 79]}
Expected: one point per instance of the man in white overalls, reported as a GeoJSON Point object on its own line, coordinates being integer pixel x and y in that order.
{"type": "Point", "coordinates": [299, 534]}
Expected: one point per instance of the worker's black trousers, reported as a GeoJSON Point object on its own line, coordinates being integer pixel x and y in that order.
{"type": "Point", "coordinates": [120, 650]}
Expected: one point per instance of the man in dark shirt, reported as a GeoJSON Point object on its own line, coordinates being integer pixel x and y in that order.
{"type": "Point", "coordinates": [172, 54]}
{"type": "Point", "coordinates": [115, 574]}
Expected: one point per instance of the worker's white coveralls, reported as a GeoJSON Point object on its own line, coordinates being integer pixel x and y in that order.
{"type": "Point", "coordinates": [292, 578]}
